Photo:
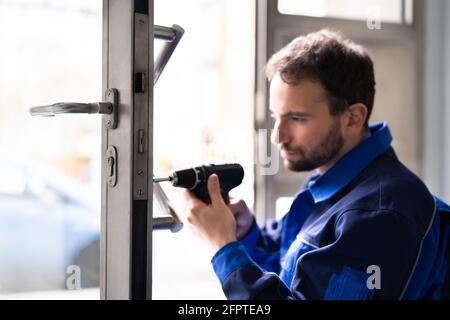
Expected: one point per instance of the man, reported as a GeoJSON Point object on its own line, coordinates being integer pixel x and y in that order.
{"type": "Point", "coordinates": [361, 227]}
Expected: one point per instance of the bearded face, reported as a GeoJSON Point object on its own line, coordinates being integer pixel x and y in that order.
{"type": "Point", "coordinates": [306, 133]}
{"type": "Point", "coordinates": [307, 157]}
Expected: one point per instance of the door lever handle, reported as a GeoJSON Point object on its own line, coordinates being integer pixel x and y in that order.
{"type": "Point", "coordinates": [72, 107]}
{"type": "Point", "coordinates": [108, 108]}
{"type": "Point", "coordinates": [171, 37]}
{"type": "Point", "coordinates": [170, 220]}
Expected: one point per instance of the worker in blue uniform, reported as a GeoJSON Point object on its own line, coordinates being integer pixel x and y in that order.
{"type": "Point", "coordinates": [362, 226]}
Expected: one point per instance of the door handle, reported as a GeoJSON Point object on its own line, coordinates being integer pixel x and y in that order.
{"type": "Point", "coordinates": [108, 108]}
{"type": "Point", "coordinates": [171, 37]}
{"type": "Point", "coordinates": [72, 107]}
{"type": "Point", "coordinates": [171, 220]}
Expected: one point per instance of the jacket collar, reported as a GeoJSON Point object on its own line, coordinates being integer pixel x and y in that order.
{"type": "Point", "coordinates": [351, 164]}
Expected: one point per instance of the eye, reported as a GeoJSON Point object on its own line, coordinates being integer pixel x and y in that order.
{"type": "Point", "coordinates": [298, 119]}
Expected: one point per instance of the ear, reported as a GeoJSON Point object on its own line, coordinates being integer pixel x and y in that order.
{"type": "Point", "coordinates": [355, 118]}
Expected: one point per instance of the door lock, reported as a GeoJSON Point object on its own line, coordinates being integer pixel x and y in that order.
{"type": "Point", "coordinates": [111, 166]}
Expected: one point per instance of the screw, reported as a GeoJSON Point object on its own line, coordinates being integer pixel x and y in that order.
{"type": "Point", "coordinates": [140, 172]}
{"type": "Point", "coordinates": [140, 192]}
{"type": "Point", "coordinates": [108, 123]}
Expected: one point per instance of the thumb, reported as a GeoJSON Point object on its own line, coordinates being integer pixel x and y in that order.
{"type": "Point", "coordinates": [214, 190]}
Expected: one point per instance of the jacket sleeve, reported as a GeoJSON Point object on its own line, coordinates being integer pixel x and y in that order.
{"type": "Point", "coordinates": [242, 278]}
{"type": "Point", "coordinates": [363, 242]}
{"type": "Point", "coordinates": [263, 245]}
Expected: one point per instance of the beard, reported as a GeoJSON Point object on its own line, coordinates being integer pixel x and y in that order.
{"type": "Point", "coordinates": [327, 149]}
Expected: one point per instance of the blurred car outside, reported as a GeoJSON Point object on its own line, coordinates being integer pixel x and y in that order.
{"type": "Point", "coordinates": [48, 221]}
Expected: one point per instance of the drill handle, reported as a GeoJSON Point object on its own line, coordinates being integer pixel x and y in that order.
{"type": "Point", "coordinates": [202, 194]}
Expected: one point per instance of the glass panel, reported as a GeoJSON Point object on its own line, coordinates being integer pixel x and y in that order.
{"type": "Point", "coordinates": [203, 113]}
{"type": "Point", "coordinates": [49, 167]}
{"type": "Point", "coordinates": [389, 11]}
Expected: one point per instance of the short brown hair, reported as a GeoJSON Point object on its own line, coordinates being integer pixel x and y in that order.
{"type": "Point", "coordinates": [343, 67]}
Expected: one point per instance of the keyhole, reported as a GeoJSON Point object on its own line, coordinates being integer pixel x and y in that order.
{"type": "Point", "coordinates": [110, 166]}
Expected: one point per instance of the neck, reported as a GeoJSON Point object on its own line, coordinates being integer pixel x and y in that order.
{"type": "Point", "coordinates": [346, 148]}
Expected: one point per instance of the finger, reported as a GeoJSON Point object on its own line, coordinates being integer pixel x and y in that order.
{"type": "Point", "coordinates": [214, 191]}
{"type": "Point", "coordinates": [191, 198]}
{"type": "Point", "coordinates": [187, 195]}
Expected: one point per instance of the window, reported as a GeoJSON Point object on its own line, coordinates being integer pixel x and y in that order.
{"type": "Point", "coordinates": [390, 11]}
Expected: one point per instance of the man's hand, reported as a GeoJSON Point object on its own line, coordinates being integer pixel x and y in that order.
{"type": "Point", "coordinates": [214, 222]}
{"type": "Point", "coordinates": [243, 217]}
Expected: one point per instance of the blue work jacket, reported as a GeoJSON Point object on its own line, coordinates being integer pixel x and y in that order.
{"type": "Point", "coordinates": [366, 229]}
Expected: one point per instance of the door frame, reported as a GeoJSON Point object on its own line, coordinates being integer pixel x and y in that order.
{"type": "Point", "coordinates": [126, 214]}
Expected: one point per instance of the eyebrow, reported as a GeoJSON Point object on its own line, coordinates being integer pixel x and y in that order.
{"type": "Point", "coordinates": [295, 114]}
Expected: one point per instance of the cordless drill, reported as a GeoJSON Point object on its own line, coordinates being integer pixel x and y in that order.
{"type": "Point", "coordinates": [196, 179]}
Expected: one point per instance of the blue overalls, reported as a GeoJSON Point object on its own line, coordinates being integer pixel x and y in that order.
{"type": "Point", "coordinates": [366, 229]}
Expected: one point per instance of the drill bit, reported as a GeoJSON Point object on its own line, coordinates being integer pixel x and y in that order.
{"type": "Point", "coordinates": [161, 179]}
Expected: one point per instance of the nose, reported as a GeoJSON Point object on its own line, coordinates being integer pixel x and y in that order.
{"type": "Point", "coordinates": [280, 133]}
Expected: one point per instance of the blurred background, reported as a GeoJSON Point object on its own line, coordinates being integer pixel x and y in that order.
{"type": "Point", "coordinates": [49, 170]}
{"type": "Point", "coordinates": [208, 104]}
